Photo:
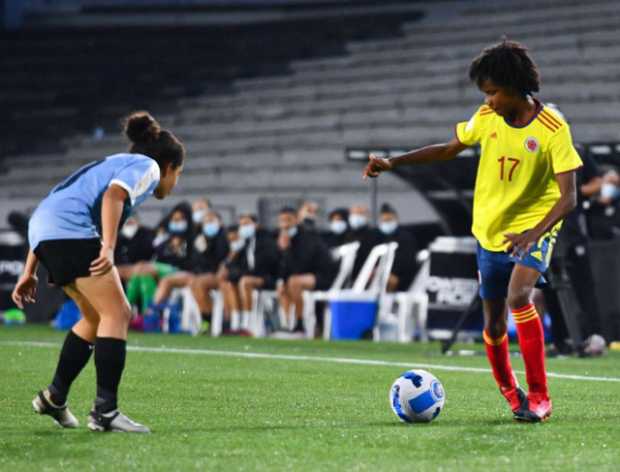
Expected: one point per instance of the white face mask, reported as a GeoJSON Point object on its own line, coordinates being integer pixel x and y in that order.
{"type": "Point", "coordinates": [197, 216]}
{"type": "Point", "coordinates": [236, 246]}
{"type": "Point", "coordinates": [210, 229]}
{"type": "Point", "coordinates": [388, 227]}
{"type": "Point", "coordinates": [129, 230]}
{"type": "Point", "coordinates": [609, 190]}
{"type": "Point", "coordinates": [177, 227]}
{"type": "Point", "coordinates": [292, 231]}
{"type": "Point", "coordinates": [247, 231]}
{"type": "Point", "coordinates": [357, 221]}
{"type": "Point", "coordinates": [338, 226]}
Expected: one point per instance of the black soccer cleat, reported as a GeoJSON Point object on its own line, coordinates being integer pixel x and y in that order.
{"type": "Point", "coordinates": [43, 405]}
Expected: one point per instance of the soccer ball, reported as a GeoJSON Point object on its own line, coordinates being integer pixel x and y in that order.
{"type": "Point", "coordinates": [417, 396]}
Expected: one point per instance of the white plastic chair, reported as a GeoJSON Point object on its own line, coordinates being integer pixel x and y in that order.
{"type": "Point", "coordinates": [266, 299]}
{"type": "Point", "coordinates": [346, 255]}
{"type": "Point", "coordinates": [412, 308]}
{"type": "Point", "coordinates": [217, 313]}
{"type": "Point", "coordinates": [371, 280]}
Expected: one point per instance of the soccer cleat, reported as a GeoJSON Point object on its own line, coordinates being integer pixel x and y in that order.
{"type": "Point", "coordinates": [514, 396]}
{"type": "Point", "coordinates": [43, 405]}
{"type": "Point", "coordinates": [114, 421]}
{"type": "Point", "coordinates": [535, 408]}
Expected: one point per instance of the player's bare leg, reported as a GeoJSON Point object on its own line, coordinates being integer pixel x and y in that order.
{"type": "Point", "coordinates": [532, 343]}
{"type": "Point", "coordinates": [75, 354]}
{"type": "Point", "coordinates": [105, 294]}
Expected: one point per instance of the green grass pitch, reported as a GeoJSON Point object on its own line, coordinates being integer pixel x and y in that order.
{"type": "Point", "coordinates": [219, 410]}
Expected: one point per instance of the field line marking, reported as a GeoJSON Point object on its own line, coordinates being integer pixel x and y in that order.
{"type": "Point", "coordinates": [334, 360]}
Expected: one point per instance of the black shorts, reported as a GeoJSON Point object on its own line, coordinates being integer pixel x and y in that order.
{"type": "Point", "coordinates": [67, 259]}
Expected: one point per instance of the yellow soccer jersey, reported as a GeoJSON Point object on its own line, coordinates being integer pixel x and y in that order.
{"type": "Point", "coordinates": [515, 183]}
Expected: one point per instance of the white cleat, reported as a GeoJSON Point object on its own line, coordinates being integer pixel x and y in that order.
{"type": "Point", "coordinates": [114, 421]}
{"type": "Point", "coordinates": [43, 405]}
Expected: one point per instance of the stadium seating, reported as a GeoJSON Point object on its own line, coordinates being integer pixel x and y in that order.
{"type": "Point", "coordinates": [280, 127]}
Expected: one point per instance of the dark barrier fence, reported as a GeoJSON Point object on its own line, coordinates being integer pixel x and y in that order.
{"type": "Point", "coordinates": [605, 263]}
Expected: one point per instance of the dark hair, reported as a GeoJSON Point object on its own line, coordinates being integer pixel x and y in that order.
{"type": "Point", "coordinates": [150, 139]}
{"type": "Point", "coordinates": [387, 208]}
{"type": "Point", "coordinates": [342, 212]}
{"type": "Point", "coordinates": [288, 209]}
{"type": "Point", "coordinates": [506, 64]}
{"type": "Point", "coordinates": [232, 228]}
{"type": "Point", "coordinates": [251, 216]}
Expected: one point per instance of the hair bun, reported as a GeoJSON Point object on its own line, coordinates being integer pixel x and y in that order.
{"type": "Point", "coordinates": [141, 127]}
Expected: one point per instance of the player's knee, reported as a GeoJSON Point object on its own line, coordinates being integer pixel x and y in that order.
{"type": "Point", "coordinates": [496, 328]}
{"type": "Point", "coordinates": [518, 297]}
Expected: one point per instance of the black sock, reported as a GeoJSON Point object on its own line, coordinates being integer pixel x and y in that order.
{"type": "Point", "coordinates": [110, 362]}
{"type": "Point", "coordinates": [74, 355]}
{"type": "Point", "coordinates": [299, 325]}
{"type": "Point", "coordinates": [226, 325]}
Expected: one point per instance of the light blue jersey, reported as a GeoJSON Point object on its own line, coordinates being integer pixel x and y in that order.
{"type": "Point", "coordinates": [72, 210]}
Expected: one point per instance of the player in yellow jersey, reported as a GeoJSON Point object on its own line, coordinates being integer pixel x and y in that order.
{"type": "Point", "coordinates": [525, 186]}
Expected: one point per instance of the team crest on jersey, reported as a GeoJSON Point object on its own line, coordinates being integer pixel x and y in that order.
{"type": "Point", "coordinates": [531, 144]}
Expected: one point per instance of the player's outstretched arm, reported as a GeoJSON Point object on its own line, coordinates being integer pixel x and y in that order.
{"type": "Point", "coordinates": [432, 153]}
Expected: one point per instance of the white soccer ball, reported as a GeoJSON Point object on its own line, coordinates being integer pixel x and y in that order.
{"type": "Point", "coordinates": [417, 396]}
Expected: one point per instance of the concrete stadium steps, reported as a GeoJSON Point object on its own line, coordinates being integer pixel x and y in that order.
{"type": "Point", "coordinates": [596, 95]}
{"type": "Point", "coordinates": [319, 90]}
{"type": "Point", "coordinates": [296, 178]}
{"type": "Point", "coordinates": [355, 69]}
{"type": "Point", "coordinates": [58, 166]}
{"type": "Point", "coordinates": [528, 25]}
{"type": "Point", "coordinates": [570, 68]}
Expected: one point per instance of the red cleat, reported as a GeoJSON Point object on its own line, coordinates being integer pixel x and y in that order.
{"type": "Point", "coordinates": [536, 408]}
{"type": "Point", "coordinates": [514, 396]}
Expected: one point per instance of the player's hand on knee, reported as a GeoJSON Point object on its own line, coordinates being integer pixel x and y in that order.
{"type": "Point", "coordinates": [104, 263]}
{"type": "Point", "coordinates": [375, 166]}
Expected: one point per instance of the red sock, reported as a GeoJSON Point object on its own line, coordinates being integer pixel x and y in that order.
{"type": "Point", "coordinates": [532, 344]}
{"type": "Point", "coordinates": [499, 358]}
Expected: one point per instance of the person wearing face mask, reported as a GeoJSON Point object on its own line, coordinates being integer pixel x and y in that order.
{"type": "Point", "coordinates": [200, 207]}
{"type": "Point", "coordinates": [230, 273]}
{"type": "Point", "coordinates": [134, 244]}
{"type": "Point", "coordinates": [404, 267]}
{"type": "Point", "coordinates": [173, 249]}
{"type": "Point", "coordinates": [361, 232]}
{"type": "Point", "coordinates": [260, 268]}
{"type": "Point", "coordinates": [308, 214]}
{"type": "Point", "coordinates": [210, 249]}
{"type": "Point", "coordinates": [336, 234]}
{"type": "Point", "coordinates": [305, 264]}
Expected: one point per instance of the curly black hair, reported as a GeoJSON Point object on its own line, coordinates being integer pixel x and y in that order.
{"type": "Point", "coordinates": [507, 64]}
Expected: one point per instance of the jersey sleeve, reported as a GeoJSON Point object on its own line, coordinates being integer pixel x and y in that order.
{"type": "Point", "coordinates": [564, 156]}
{"type": "Point", "coordinates": [469, 132]}
{"type": "Point", "coordinates": [137, 177]}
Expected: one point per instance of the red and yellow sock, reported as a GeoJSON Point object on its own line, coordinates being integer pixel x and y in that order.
{"type": "Point", "coordinates": [499, 358]}
{"type": "Point", "coordinates": [532, 344]}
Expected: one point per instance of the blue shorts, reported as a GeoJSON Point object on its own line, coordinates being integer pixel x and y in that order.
{"type": "Point", "coordinates": [495, 268]}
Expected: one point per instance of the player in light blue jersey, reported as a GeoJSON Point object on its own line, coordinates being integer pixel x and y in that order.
{"type": "Point", "coordinates": [73, 233]}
